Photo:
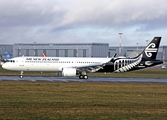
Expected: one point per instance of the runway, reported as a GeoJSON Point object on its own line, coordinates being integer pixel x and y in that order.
{"type": "Point", "coordinates": [76, 79]}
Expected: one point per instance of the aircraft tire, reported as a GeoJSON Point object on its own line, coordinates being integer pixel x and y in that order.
{"type": "Point", "coordinates": [85, 77]}
{"type": "Point", "coordinates": [81, 76]}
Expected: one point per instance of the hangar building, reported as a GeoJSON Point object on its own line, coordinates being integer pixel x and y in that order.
{"type": "Point", "coordinates": [76, 50]}
{"type": "Point", "coordinates": [62, 50]}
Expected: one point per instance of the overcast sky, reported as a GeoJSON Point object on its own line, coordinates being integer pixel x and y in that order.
{"type": "Point", "coordinates": [83, 21]}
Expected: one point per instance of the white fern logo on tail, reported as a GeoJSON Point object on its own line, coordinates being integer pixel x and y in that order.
{"type": "Point", "coordinates": [123, 65]}
{"type": "Point", "coordinates": [150, 49]}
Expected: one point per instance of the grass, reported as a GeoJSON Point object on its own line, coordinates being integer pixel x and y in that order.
{"type": "Point", "coordinates": [82, 101]}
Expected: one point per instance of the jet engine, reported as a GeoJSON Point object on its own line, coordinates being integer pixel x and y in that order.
{"type": "Point", "coordinates": [69, 71]}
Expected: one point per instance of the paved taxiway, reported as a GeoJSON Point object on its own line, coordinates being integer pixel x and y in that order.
{"type": "Point", "coordinates": [76, 79]}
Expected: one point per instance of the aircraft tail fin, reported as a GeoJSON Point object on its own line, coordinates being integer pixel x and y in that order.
{"type": "Point", "coordinates": [150, 52]}
{"type": "Point", "coordinates": [147, 58]}
{"type": "Point", "coordinates": [7, 55]}
{"type": "Point", "coordinates": [43, 55]}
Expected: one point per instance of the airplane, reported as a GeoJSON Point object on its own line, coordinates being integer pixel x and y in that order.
{"type": "Point", "coordinates": [43, 55]}
{"type": "Point", "coordinates": [80, 66]}
{"type": "Point", "coordinates": [7, 57]}
{"type": "Point", "coordinates": [68, 66]}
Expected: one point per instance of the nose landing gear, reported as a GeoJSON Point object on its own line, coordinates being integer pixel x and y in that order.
{"type": "Point", "coordinates": [21, 74]}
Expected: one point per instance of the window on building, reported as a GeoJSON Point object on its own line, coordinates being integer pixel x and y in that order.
{"type": "Point", "coordinates": [57, 53]}
{"type": "Point", "coordinates": [44, 51]}
{"type": "Point", "coordinates": [75, 53]}
{"type": "Point", "coordinates": [84, 53]}
{"type": "Point", "coordinates": [27, 52]}
{"type": "Point", "coordinates": [19, 52]}
{"type": "Point", "coordinates": [108, 54]}
{"type": "Point", "coordinates": [66, 53]}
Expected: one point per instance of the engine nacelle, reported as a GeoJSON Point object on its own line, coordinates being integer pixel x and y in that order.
{"type": "Point", "coordinates": [69, 71]}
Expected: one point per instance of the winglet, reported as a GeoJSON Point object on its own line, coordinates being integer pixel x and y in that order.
{"type": "Point", "coordinates": [112, 58]}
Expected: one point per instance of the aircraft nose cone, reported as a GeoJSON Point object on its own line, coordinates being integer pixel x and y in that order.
{"type": "Point", "coordinates": [5, 66]}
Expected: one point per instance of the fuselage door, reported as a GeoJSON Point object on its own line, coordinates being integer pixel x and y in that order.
{"type": "Point", "coordinates": [21, 61]}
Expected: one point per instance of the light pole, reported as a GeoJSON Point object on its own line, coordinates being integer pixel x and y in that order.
{"type": "Point", "coordinates": [77, 51]}
{"type": "Point", "coordinates": [20, 49]}
{"type": "Point", "coordinates": [146, 42]}
{"type": "Point", "coordinates": [137, 47]}
{"type": "Point", "coordinates": [120, 43]}
{"type": "Point", "coordinates": [34, 48]}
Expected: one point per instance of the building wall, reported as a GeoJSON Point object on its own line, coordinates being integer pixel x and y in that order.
{"type": "Point", "coordinates": [99, 50]}
{"type": "Point", "coordinates": [75, 49]}
{"type": "Point", "coordinates": [6, 48]}
{"type": "Point", "coordinates": [62, 50]}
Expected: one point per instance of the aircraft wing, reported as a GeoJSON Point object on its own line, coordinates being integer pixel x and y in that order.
{"type": "Point", "coordinates": [92, 68]}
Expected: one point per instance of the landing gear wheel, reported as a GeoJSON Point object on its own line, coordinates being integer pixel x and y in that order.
{"type": "Point", "coordinates": [21, 74]}
{"type": "Point", "coordinates": [81, 76]}
{"type": "Point", "coordinates": [85, 77]}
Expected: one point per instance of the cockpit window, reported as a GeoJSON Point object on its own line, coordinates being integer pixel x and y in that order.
{"type": "Point", "coordinates": [10, 61]}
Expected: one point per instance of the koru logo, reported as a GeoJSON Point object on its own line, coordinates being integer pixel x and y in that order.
{"type": "Point", "coordinates": [150, 49]}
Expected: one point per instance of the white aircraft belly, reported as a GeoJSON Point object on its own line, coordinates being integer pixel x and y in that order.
{"type": "Point", "coordinates": [38, 67]}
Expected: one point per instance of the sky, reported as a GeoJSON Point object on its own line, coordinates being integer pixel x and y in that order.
{"type": "Point", "coordinates": [83, 21]}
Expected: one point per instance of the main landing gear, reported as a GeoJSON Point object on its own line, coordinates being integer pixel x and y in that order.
{"type": "Point", "coordinates": [83, 77]}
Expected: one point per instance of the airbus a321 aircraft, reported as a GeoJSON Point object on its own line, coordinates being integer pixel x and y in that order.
{"type": "Point", "coordinates": [72, 66]}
